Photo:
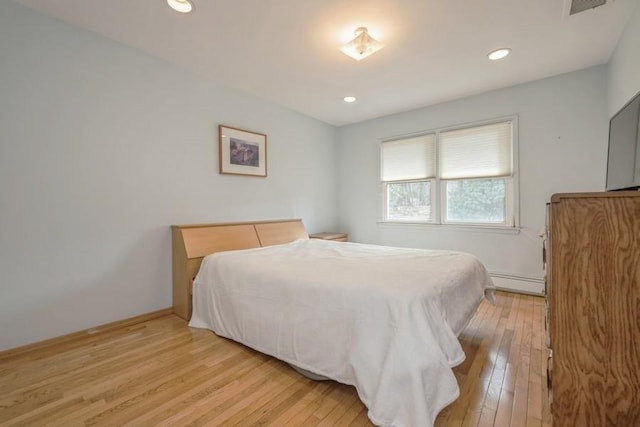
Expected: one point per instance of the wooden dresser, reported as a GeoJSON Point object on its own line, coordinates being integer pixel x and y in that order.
{"type": "Point", "coordinates": [592, 262]}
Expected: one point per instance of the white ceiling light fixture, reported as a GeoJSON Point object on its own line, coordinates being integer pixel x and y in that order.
{"type": "Point", "coordinates": [494, 55]}
{"type": "Point", "coordinates": [362, 45]}
{"type": "Point", "coordinates": [349, 99]}
{"type": "Point", "coordinates": [182, 6]}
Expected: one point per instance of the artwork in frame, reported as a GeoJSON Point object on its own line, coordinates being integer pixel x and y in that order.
{"type": "Point", "coordinates": [242, 152]}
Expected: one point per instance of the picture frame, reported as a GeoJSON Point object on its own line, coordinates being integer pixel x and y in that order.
{"type": "Point", "coordinates": [242, 152]}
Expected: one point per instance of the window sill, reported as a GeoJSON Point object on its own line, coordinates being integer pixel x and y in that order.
{"type": "Point", "coordinates": [452, 227]}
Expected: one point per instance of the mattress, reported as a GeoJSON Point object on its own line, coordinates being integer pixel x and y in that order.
{"type": "Point", "coordinates": [382, 319]}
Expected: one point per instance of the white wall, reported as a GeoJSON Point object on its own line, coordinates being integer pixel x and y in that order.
{"type": "Point", "coordinates": [101, 149]}
{"type": "Point", "coordinates": [623, 79]}
{"type": "Point", "coordinates": [563, 147]}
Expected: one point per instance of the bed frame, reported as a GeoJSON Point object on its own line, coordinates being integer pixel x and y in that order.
{"type": "Point", "coordinates": [193, 242]}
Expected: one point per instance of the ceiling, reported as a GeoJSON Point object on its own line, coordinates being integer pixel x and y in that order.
{"type": "Point", "coordinates": [287, 51]}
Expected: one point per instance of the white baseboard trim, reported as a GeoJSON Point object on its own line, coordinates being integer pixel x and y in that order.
{"type": "Point", "coordinates": [518, 283]}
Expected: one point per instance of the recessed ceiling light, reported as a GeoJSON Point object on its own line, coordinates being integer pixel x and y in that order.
{"type": "Point", "coordinates": [494, 55]}
{"type": "Point", "coordinates": [182, 6]}
{"type": "Point", "coordinates": [349, 99]}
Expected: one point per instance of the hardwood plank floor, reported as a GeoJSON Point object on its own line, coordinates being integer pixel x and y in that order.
{"type": "Point", "coordinates": [161, 372]}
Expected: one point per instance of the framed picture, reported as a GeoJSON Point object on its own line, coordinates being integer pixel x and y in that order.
{"type": "Point", "coordinates": [242, 152]}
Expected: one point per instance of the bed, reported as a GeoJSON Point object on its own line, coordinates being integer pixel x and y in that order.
{"type": "Point", "coordinates": [358, 314]}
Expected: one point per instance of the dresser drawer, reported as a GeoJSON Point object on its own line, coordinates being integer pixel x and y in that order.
{"type": "Point", "coordinates": [550, 376]}
{"type": "Point", "coordinates": [547, 324]}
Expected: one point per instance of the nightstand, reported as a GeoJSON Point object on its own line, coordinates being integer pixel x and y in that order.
{"type": "Point", "coordinates": [338, 237]}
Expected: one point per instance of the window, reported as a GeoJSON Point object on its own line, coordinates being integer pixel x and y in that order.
{"type": "Point", "coordinates": [451, 176]}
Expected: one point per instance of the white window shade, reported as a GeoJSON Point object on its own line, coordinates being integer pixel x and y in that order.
{"type": "Point", "coordinates": [478, 152]}
{"type": "Point", "coordinates": [411, 158]}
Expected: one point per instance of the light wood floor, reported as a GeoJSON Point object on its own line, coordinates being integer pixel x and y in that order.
{"type": "Point", "coordinates": [162, 372]}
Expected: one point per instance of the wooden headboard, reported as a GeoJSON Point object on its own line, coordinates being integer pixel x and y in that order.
{"type": "Point", "coordinates": [193, 242]}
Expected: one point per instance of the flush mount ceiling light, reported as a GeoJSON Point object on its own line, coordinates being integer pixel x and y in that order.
{"type": "Point", "coordinates": [349, 99]}
{"type": "Point", "coordinates": [182, 6]}
{"type": "Point", "coordinates": [362, 45]}
{"type": "Point", "coordinates": [494, 55]}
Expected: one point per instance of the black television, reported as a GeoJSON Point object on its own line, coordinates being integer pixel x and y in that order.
{"type": "Point", "coordinates": [623, 163]}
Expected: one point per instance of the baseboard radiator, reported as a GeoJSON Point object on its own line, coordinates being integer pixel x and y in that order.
{"type": "Point", "coordinates": [518, 283]}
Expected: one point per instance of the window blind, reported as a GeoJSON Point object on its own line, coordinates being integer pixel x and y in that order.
{"type": "Point", "coordinates": [477, 152]}
{"type": "Point", "coordinates": [411, 158]}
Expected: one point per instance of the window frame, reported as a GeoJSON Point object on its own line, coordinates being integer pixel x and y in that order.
{"type": "Point", "coordinates": [508, 211]}
{"type": "Point", "coordinates": [433, 193]}
{"type": "Point", "coordinates": [438, 185]}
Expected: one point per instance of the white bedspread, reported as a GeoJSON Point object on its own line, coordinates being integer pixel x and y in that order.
{"type": "Point", "coordinates": [382, 319]}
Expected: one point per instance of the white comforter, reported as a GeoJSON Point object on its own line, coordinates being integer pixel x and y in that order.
{"type": "Point", "coordinates": [382, 319]}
